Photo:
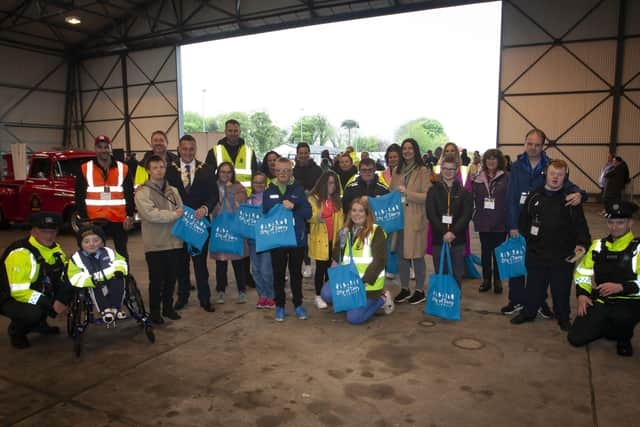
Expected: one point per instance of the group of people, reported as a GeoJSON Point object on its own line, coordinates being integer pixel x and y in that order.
{"type": "Point", "coordinates": [334, 223]}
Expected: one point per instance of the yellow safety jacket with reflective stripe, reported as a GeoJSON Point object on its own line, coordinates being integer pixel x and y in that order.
{"type": "Point", "coordinates": [584, 273]}
{"type": "Point", "coordinates": [80, 277]}
{"type": "Point", "coordinates": [141, 176]}
{"type": "Point", "coordinates": [362, 257]}
{"type": "Point", "coordinates": [23, 270]}
{"type": "Point", "coordinates": [242, 165]}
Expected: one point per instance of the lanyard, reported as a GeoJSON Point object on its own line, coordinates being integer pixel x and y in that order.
{"type": "Point", "coordinates": [153, 187]}
{"type": "Point", "coordinates": [448, 205]}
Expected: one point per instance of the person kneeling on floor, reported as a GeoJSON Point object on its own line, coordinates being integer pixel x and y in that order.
{"type": "Point", "coordinates": [102, 270]}
{"type": "Point", "coordinates": [611, 308]}
{"type": "Point", "coordinates": [369, 250]}
{"type": "Point", "coordinates": [32, 282]}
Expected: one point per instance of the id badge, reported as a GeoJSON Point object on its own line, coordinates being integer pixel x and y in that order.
{"type": "Point", "coordinates": [535, 230]}
{"type": "Point", "coordinates": [105, 195]}
{"type": "Point", "coordinates": [489, 203]}
{"type": "Point", "coordinates": [523, 198]}
{"type": "Point", "coordinates": [447, 219]}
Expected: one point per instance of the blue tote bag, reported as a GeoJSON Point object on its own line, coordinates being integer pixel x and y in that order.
{"type": "Point", "coordinates": [222, 238]}
{"type": "Point", "coordinates": [470, 269]}
{"type": "Point", "coordinates": [275, 229]}
{"type": "Point", "coordinates": [443, 298]}
{"type": "Point", "coordinates": [245, 220]}
{"type": "Point", "coordinates": [511, 256]}
{"type": "Point", "coordinates": [192, 231]}
{"type": "Point", "coordinates": [347, 288]}
{"type": "Point", "coordinates": [387, 210]}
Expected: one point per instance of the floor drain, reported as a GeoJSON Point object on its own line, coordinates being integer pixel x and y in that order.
{"type": "Point", "coordinates": [427, 323]}
{"type": "Point", "coordinates": [468, 343]}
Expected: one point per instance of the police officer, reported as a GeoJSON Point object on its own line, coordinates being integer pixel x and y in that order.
{"type": "Point", "coordinates": [607, 284]}
{"type": "Point", "coordinates": [31, 272]}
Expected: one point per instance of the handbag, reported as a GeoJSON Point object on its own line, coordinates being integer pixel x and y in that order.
{"type": "Point", "coordinates": [275, 230]}
{"type": "Point", "coordinates": [222, 238]}
{"type": "Point", "coordinates": [470, 269]}
{"type": "Point", "coordinates": [511, 256]}
{"type": "Point", "coordinates": [388, 212]}
{"type": "Point", "coordinates": [347, 287]}
{"type": "Point", "coordinates": [245, 220]}
{"type": "Point", "coordinates": [194, 232]}
{"type": "Point", "coordinates": [443, 298]}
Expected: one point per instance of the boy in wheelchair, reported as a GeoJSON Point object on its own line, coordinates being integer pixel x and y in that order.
{"type": "Point", "coordinates": [102, 270]}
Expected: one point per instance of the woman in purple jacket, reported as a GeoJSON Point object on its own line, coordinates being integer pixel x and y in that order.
{"type": "Point", "coordinates": [489, 189]}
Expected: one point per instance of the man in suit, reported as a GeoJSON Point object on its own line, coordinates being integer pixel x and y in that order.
{"type": "Point", "coordinates": [197, 186]}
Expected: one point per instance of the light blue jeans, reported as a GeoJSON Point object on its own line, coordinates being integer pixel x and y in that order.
{"type": "Point", "coordinates": [357, 316]}
{"type": "Point", "coordinates": [261, 270]}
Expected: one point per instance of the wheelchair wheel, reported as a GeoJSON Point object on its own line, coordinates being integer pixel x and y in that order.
{"type": "Point", "coordinates": [148, 330]}
{"type": "Point", "coordinates": [76, 313]}
{"type": "Point", "coordinates": [134, 298]}
{"type": "Point", "coordinates": [77, 344]}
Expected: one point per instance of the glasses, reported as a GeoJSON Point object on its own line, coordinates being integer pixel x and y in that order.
{"type": "Point", "coordinates": [283, 170]}
{"type": "Point", "coordinates": [366, 170]}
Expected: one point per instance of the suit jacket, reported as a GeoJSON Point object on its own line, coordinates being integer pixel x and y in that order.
{"type": "Point", "coordinates": [203, 191]}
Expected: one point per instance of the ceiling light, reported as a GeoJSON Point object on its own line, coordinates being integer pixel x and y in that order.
{"type": "Point", "coordinates": [73, 20]}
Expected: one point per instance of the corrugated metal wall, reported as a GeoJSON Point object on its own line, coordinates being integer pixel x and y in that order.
{"type": "Point", "coordinates": [558, 73]}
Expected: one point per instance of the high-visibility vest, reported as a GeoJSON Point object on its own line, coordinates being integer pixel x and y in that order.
{"type": "Point", "coordinates": [141, 176]}
{"type": "Point", "coordinates": [242, 165]}
{"type": "Point", "coordinates": [81, 277]}
{"type": "Point", "coordinates": [362, 258]}
{"type": "Point", "coordinates": [105, 199]}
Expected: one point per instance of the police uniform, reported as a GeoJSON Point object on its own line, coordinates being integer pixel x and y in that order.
{"type": "Point", "coordinates": [617, 261]}
{"type": "Point", "coordinates": [32, 278]}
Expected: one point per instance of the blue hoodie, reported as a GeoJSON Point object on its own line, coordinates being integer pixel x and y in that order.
{"type": "Point", "coordinates": [301, 210]}
{"type": "Point", "coordinates": [523, 179]}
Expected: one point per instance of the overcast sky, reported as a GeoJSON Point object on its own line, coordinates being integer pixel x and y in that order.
{"type": "Point", "coordinates": [382, 72]}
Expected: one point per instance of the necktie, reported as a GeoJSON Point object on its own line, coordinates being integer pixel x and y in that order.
{"type": "Point", "coordinates": [188, 177]}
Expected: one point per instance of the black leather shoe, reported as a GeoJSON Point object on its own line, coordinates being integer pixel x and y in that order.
{"type": "Point", "coordinates": [564, 325]}
{"type": "Point", "coordinates": [624, 348]}
{"type": "Point", "coordinates": [521, 318]}
{"type": "Point", "coordinates": [208, 307]}
{"type": "Point", "coordinates": [44, 329]}
{"type": "Point", "coordinates": [171, 314]}
{"type": "Point", "coordinates": [485, 286]}
{"type": "Point", "coordinates": [156, 319]}
{"type": "Point", "coordinates": [19, 342]}
{"type": "Point", "coordinates": [180, 304]}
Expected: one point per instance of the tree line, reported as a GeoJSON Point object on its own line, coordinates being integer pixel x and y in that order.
{"type": "Point", "coordinates": [262, 134]}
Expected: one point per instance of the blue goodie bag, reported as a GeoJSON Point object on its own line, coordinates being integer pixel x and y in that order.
{"type": "Point", "coordinates": [275, 230]}
{"type": "Point", "coordinates": [347, 288]}
{"type": "Point", "coordinates": [511, 256]}
{"type": "Point", "coordinates": [388, 212]}
{"type": "Point", "coordinates": [443, 298]}
{"type": "Point", "coordinates": [392, 259]}
{"type": "Point", "coordinates": [245, 220]}
{"type": "Point", "coordinates": [222, 238]}
{"type": "Point", "coordinates": [470, 269]}
{"type": "Point", "coordinates": [192, 231]}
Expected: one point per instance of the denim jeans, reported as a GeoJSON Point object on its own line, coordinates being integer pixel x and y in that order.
{"type": "Point", "coordinates": [262, 271]}
{"type": "Point", "coordinates": [357, 316]}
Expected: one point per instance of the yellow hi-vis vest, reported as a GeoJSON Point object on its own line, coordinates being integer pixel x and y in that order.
{"type": "Point", "coordinates": [140, 177]}
{"type": "Point", "coordinates": [242, 165]}
{"type": "Point", "coordinates": [362, 258]}
{"type": "Point", "coordinates": [80, 277]}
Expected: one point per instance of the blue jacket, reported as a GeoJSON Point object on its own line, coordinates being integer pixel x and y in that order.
{"type": "Point", "coordinates": [523, 179]}
{"type": "Point", "coordinates": [301, 210]}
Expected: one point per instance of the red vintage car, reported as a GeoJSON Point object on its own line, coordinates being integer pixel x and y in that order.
{"type": "Point", "coordinates": [50, 186]}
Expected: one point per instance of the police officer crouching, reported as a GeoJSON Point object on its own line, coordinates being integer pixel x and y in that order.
{"type": "Point", "coordinates": [611, 308]}
{"type": "Point", "coordinates": [32, 282]}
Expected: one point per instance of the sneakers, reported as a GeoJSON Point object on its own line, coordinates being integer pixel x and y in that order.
{"type": "Point", "coordinates": [545, 312]}
{"type": "Point", "coordinates": [301, 313]}
{"type": "Point", "coordinates": [220, 299]}
{"type": "Point", "coordinates": [320, 303]}
{"type": "Point", "coordinates": [402, 296]}
{"type": "Point", "coordinates": [510, 309]}
{"type": "Point", "coordinates": [108, 316]}
{"type": "Point", "coordinates": [121, 315]}
{"type": "Point", "coordinates": [306, 271]}
{"type": "Point", "coordinates": [388, 306]}
{"type": "Point", "coordinates": [260, 303]}
{"type": "Point", "coordinates": [269, 303]}
{"type": "Point", "coordinates": [417, 297]}
{"type": "Point", "coordinates": [485, 286]}
{"type": "Point", "coordinates": [521, 318]}
{"type": "Point", "coordinates": [390, 276]}
{"type": "Point", "coordinates": [242, 298]}
{"type": "Point", "coordinates": [624, 348]}
{"type": "Point", "coordinates": [279, 314]}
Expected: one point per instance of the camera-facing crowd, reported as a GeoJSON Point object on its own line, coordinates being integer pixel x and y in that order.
{"type": "Point", "coordinates": [441, 194]}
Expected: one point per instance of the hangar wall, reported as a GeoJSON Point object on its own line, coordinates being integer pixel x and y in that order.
{"type": "Point", "coordinates": [572, 69]}
{"type": "Point", "coordinates": [24, 90]}
{"type": "Point", "coordinates": [134, 93]}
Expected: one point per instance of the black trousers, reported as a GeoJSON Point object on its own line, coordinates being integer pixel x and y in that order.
{"type": "Point", "coordinates": [489, 241]}
{"type": "Point", "coordinates": [559, 277]}
{"type": "Point", "coordinates": [612, 320]}
{"type": "Point", "coordinates": [239, 269]}
{"type": "Point", "coordinates": [201, 272]}
{"type": "Point", "coordinates": [119, 236]}
{"type": "Point", "coordinates": [163, 267]}
{"type": "Point", "coordinates": [280, 258]}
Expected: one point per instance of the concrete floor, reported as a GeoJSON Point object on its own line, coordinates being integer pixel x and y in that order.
{"type": "Point", "coordinates": [238, 367]}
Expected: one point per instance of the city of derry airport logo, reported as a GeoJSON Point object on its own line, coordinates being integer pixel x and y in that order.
{"type": "Point", "coordinates": [277, 226]}
{"type": "Point", "coordinates": [387, 213]}
{"type": "Point", "coordinates": [443, 299]}
{"type": "Point", "coordinates": [223, 234]}
{"type": "Point", "coordinates": [347, 288]}
{"type": "Point", "coordinates": [512, 256]}
{"type": "Point", "coordinates": [249, 217]}
{"type": "Point", "coordinates": [198, 226]}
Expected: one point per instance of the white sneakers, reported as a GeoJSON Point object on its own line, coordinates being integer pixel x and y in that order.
{"type": "Point", "coordinates": [306, 271]}
{"type": "Point", "coordinates": [320, 304]}
{"type": "Point", "coordinates": [389, 306]}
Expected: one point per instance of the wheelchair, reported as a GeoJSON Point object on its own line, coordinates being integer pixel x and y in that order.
{"type": "Point", "coordinates": [81, 313]}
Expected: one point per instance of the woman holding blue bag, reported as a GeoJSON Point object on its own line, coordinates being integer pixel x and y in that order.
{"type": "Point", "coordinates": [362, 241]}
{"type": "Point", "coordinates": [232, 193]}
